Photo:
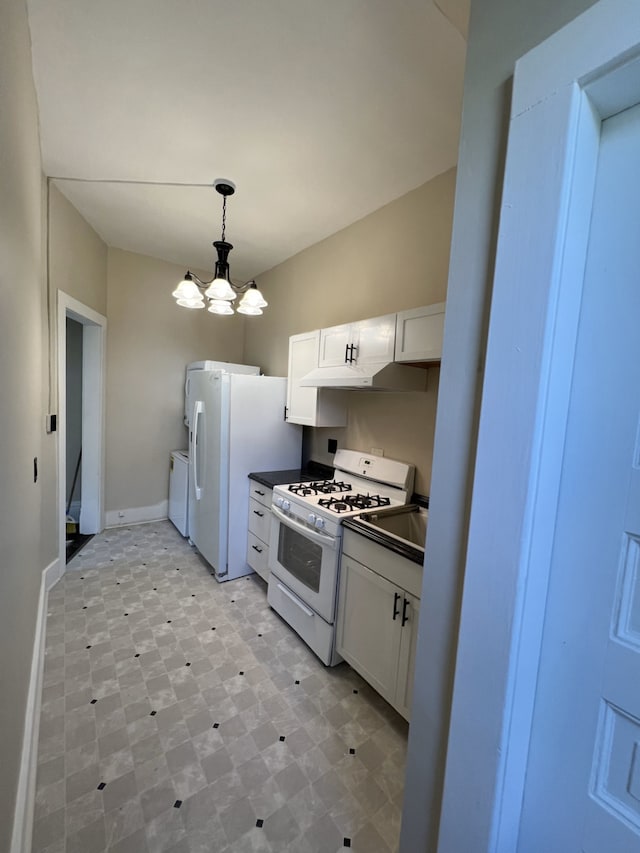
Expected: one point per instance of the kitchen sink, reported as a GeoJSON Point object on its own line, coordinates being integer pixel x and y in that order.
{"type": "Point", "coordinates": [406, 523]}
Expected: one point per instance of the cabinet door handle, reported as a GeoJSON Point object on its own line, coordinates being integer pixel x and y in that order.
{"type": "Point", "coordinates": [346, 354]}
{"type": "Point", "coordinates": [256, 512]}
{"type": "Point", "coordinates": [405, 618]}
{"type": "Point", "coordinates": [258, 492]}
{"type": "Point", "coordinates": [352, 357]}
{"type": "Point", "coordinates": [396, 601]}
{"type": "Point", "coordinates": [255, 548]}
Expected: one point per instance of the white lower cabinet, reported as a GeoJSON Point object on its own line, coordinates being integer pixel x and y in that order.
{"type": "Point", "coordinates": [407, 656]}
{"type": "Point", "coordinates": [378, 622]}
{"type": "Point", "coordinates": [259, 525]}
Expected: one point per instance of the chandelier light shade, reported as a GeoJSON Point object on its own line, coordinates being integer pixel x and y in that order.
{"type": "Point", "coordinates": [221, 291]}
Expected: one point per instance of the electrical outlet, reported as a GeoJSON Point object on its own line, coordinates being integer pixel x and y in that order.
{"type": "Point", "coordinates": [377, 451]}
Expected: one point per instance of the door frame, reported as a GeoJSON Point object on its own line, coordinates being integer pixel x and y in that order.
{"type": "Point", "coordinates": [563, 90]}
{"type": "Point", "coordinates": [94, 329]}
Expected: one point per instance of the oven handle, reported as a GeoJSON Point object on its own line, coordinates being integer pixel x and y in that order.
{"type": "Point", "coordinates": [295, 599]}
{"type": "Point", "coordinates": [313, 535]}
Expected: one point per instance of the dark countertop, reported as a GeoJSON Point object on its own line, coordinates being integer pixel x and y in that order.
{"type": "Point", "coordinates": [311, 471]}
{"type": "Point", "coordinates": [380, 538]}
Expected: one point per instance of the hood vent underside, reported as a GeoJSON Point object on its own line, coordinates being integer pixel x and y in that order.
{"type": "Point", "coordinates": [380, 376]}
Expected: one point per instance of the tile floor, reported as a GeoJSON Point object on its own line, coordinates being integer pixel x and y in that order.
{"type": "Point", "coordinates": [182, 715]}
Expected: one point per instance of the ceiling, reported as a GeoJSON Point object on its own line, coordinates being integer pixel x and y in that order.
{"type": "Point", "coordinates": [320, 111]}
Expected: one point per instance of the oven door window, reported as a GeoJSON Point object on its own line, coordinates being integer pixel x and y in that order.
{"type": "Point", "coordinates": [300, 557]}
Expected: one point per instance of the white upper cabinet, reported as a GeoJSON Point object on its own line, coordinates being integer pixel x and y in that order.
{"type": "Point", "coordinates": [310, 406]}
{"type": "Point", "coordinates": [419, 333]}
{"type": "Point", "coordinates": [334, 346]}
{"type": "Point", "coordinates": [365, 342]}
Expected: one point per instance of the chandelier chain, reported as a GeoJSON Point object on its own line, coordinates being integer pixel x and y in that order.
{"type": "Point", "coordinates": [224, 216]}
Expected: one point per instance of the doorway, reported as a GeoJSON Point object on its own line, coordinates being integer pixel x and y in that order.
{"type": "Point", "coordinates": [75, 540]}
{"type": "Point", "coordinates": [81, 387]}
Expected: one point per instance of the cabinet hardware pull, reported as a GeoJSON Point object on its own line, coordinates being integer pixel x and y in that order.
{"type": "Point", "coordinates": [352, 358]}
{"type": "Point", "coordinates": [396, 611]}
{"type": "Point", "coordinates": [258, 492]}
{"type": "Point", "coordinates": [346, 354]}
{"type": "Point", "coordinates": [255, 512]}
{"type": "Point", "coordinates": [255, 548]}
{"type": "Point", "coordinates": [405, 618]}
{"type": "Point", "coordinates": [286, 412]}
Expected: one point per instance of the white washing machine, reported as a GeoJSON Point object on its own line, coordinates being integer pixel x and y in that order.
{"type": "Point", "coordinates": [179, 490]}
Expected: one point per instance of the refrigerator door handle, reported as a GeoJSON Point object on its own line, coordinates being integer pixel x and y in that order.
{"type": "Point", "coordinates": [198, 408]}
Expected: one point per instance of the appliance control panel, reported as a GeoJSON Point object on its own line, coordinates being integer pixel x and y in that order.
{"type": "Point", "coordinates": [379, 468]}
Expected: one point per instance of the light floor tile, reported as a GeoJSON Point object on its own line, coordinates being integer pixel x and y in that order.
{"type": "Point", "coordinates": [179, 713]}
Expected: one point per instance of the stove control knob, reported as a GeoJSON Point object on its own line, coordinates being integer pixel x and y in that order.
{"type": "Point", "coordinates": [286, 504]}
{"type": "Point", "coordinates": [311, 518]}
{"type": "Point", "coordinates": [319, 523]}
{"type": "Point", "coordinates": [280, 502]}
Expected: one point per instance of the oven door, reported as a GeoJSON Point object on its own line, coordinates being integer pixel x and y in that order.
{"type": "Point", "coordinates": [306, 561]}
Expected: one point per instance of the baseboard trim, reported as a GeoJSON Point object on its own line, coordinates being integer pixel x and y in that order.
{"type": "Point", "coordinates": [26, 793]}
{"type": "Point", "coordinates": [137, 515]}
{"type": "Point", "coordinates": [52, 574]}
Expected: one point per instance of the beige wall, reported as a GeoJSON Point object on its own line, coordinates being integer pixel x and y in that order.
{"type": "Point", "coordinates": [393, 259]}
{"type": "Point", "coordinates": [78, 266]}
{"type": "Point", "coordinates": [22, 359]}
{"type": "Point", "coordinates": [78, 255]}
{"type": "Point", "coordinates": [402, 424]}
{"type": "Point", "coordinates": [150, 341]}
{"type": "Point", "coordinates": [500, 32]}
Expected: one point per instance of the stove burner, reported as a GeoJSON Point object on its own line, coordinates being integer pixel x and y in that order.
{"type": "Point", "coordinates": [322, 487]}
{"type": "Point", "coordinates": [350, 503]}
{"type": "Point", "coordinates": [335, 504]}
{"type": "Point", "coordinates": [302, 489]}
{"type": "Point", "coordinates": [367, 501]}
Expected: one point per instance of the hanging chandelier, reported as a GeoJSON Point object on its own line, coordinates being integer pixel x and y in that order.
{"type": "Point", "coordinates": [220, 290]}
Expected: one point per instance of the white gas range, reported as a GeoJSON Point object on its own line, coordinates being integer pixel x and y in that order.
{"type": "Point", "coordinates": [306, 535]}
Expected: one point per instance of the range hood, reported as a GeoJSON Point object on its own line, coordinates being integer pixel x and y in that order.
{"type": "Point", "coordinates": [377, 376]}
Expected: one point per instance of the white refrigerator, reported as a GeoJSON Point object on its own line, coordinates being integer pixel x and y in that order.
{"type": "Point", "coordinates": [236, 426]}
{"type": "Point", "coordinates": [197, 366]}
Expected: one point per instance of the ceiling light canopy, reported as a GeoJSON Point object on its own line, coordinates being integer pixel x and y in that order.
{"type": "Point", "coordinates": [220, 290]}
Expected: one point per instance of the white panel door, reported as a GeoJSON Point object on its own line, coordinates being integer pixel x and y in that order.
{"type": "Point", "coordinates": [583, 775]}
